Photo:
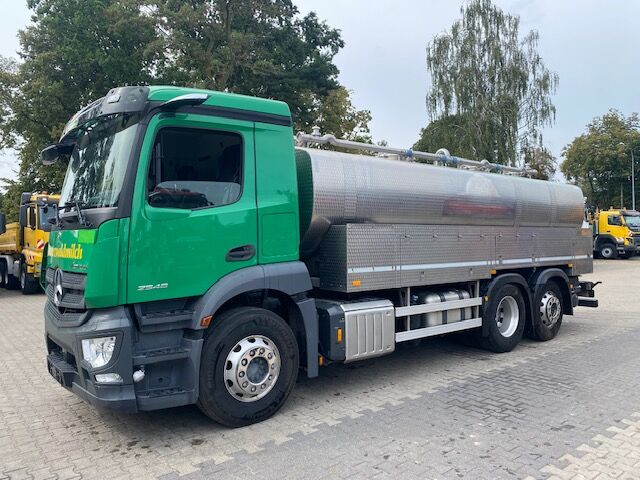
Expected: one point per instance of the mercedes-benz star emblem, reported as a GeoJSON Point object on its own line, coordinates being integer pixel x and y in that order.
{"type": "Point", "coordinates": [57, 287]}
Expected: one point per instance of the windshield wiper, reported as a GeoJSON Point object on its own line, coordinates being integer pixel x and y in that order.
{"type": "Point", "coordinates": [78, 209]}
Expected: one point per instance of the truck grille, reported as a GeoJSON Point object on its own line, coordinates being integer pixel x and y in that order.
{"type": "Point", "coordinates": [71, 308]}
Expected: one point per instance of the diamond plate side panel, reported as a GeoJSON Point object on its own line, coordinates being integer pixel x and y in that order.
{"type": "Point", "coordinates": [373, 253]}
{"type": "Point", "coordinates": [367, 257]}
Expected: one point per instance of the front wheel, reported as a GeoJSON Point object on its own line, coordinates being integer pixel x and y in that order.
{"type": "Point", "coordinates": [28, 283]}
{"type": "Point", "coordinates": [608, 251]}
{"type": "Point", "coordinates": [248, 367]}
{"type": "Point", "coordinates": [505, 316]}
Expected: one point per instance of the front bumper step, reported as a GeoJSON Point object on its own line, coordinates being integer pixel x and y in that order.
{"type": "Point", "coordinates": [587, 302]}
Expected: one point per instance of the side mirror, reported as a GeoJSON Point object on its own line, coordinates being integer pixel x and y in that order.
{"type": "Point", "coordinates": [23, 215]}
{"type": "Point", "coordinates": [52, 153]}
{"type": "Point", "coordinates": [3, 223]}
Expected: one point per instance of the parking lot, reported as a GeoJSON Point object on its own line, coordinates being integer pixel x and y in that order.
{"type": "Point", "coordinates": [569, 408]}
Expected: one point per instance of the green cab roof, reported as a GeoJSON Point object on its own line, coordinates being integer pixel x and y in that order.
{"type": "Point", "coordinates": [163, 93]}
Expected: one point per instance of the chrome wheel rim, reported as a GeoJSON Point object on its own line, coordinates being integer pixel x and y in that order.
{"type": "Point", "coordinates": [550, 309]}
{"type": "Point", "coordinates": [252, 368]}
{"type": "Point", "coordinates": [507, 316]}
{"type": "Point", "coordinates": [607, 252]}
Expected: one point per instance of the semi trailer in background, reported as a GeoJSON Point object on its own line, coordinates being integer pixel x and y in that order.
{"type": "Point", "coordinates": [201, 256]}
{"type": "Point", "coordinates": [22, 242]}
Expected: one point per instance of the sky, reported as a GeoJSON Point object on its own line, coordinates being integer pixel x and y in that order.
{"type": "Point", "coordinates": [591, 44]}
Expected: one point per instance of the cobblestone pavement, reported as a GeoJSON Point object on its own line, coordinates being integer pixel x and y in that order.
{"type": "Point", "coordinates": [569, 408]}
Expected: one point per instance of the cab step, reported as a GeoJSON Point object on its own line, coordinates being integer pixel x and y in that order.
{"type": "Point", "coordinates": [160, 355]}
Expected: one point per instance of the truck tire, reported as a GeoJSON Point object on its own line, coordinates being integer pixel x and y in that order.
{"type": "Point", "coordinates": [608, 251]}
{"type": "Point", "coordinates": [28, 283]}
{"type": "Point", "coordinates": [3, 273]}
{"type": "Point", "coordinates": [547, 312]}
{"type": "Point", "coordinates": [11, 282]}
{"type": "Point", "coordinates": [505, 316]}
{"type": "Point", "coordinates": [248, 367]}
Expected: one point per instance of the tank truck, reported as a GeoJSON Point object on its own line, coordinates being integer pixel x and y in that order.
{"type": "Point", "coordinates": [204, 255]}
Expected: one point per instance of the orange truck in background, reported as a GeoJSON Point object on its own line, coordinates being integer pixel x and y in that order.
{"type": "Point", "coordinates": [22, 243]}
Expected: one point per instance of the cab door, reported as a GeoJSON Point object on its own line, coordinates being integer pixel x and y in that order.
{"type": "Point", "coordinates": [193, 216]}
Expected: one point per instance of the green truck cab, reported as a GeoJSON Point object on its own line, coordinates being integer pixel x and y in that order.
{"type": "Point", "coordinates": [134, 258]}
{"type": "Point", "coordinates": [198, 257]}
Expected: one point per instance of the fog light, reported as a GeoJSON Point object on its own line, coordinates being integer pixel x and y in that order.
{"type": "Point", "coordinates": [98, 351]}
{"type": "Point", "coordinates": [108, 378]}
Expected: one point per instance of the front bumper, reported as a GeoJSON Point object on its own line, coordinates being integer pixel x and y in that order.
{"type": "Point", "coordinates": [170, 358]}
{"type": "Point", "coordinates": [66, 364]}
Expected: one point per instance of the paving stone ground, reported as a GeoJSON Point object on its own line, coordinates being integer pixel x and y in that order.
{"type": "Point", "coordinates": [568, 409]}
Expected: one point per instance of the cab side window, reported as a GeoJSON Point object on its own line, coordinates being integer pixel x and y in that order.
{"type": "Point", "coordinates": [195, 168]}
{"type": "Point", "coordinates": [615, 220]}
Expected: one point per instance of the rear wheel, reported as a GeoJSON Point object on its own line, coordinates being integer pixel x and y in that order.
{"type": "Point", "coordinates": [504, 316]}
{"type": "Point", "coordinates": [608, 251]}
{"type": "Point", "coordinates": [548, 312]}
{"type": "Point", "coordinates": [28, 283]}
{"type": "Point", "coordinates": [248, 367]}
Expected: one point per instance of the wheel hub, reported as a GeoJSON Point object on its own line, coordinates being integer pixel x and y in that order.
{"type": "Point", "coordinates": [550, 309]}
{"type": "Point", "coordinates": [507, 316]}
{"type": "Point", "coordinates": [252, 368]}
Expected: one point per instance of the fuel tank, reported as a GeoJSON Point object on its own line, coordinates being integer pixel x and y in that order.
{"type": "Point", "coordinates": [337, 188]}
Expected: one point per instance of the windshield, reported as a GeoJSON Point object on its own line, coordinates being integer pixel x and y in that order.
{"type": "Point", "coordinates": [45, 214]}
{"type": "Point", "coordinates": [632, 221]}
{"type": "Point", "coordinates": [99, 162]}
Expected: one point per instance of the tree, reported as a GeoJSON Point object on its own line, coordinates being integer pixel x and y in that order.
{"type": "Point", "coordinates": [542, 161]}
{"type": "Point", "coordinates": [599, 160]}
{"type": "Point", "coordinates": [254, 47]}
{"type": "Point", "coordinates": [73, 52]}
{"type": "Point", "coordinates": [76, 50]}
{"type": "Point", "coordinates": [494, 82]}
{"type": "Point", "coordinates": [337, 115]}
{"type": "Point", "coordinates": [448, 132]}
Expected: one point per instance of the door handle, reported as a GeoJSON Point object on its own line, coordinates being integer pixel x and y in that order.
{"type": "Point", "coordinates": [239, 254]}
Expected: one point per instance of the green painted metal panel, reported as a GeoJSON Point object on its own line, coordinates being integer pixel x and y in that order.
{"type": "Point", "coordinates": [277, 194]}
{"type": "Point", "coordinates": [96, 253]}
{"type": "Point", "coordinates": [222, 99]}
{"type": "Point", "coordinates": [176, 253]}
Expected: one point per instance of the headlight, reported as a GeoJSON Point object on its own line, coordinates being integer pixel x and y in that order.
{"type": "Point", "coordinates": [619, 239]}
{"type": "Point", "coordinates": [98, 351]}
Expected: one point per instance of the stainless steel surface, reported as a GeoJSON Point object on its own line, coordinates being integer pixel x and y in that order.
{"type": "Point", "coordinates": [438, 330]}
{"type": "Point", "coordinates": [507, 316]}
{"type": "Point", "coordinates": [442, 156]}
{"type": "Point", "coordinates": [550, 308]}
{"type": "Point", "coordinates": [369, 329]}
{"type": "Point", "coordinates": [431, 308]}
{"type": "Point", "coordinates": [366, 257]}
{"type": "Point", "coordinates": [252, 368]}
{"type": "Point", "coordinates": [438, 307]}
{"type": "Point", "coordinates": [338, 188]}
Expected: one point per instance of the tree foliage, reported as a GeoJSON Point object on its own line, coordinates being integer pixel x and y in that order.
{"type": "Point", "coordinates": [599, 160]}
{"type": "Point", "coordinates": [493, 82]}
{"type": "Point", "coordinates": [448, 132]}
{"type": "Point", "coordinates": [74, 51]}
{"type": "Point", "coordinates": [542, 161]}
